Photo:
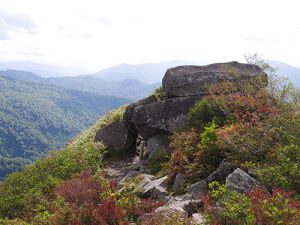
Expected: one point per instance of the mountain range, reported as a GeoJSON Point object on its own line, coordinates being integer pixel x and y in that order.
{"type": "Point", "coordinates": [115, 76]}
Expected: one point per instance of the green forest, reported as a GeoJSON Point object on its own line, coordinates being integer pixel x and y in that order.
{"type": "Point", "coordinates": [35, 118]}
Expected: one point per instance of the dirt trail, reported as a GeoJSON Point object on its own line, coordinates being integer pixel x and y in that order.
{"type": "Point", "coordinates": [117, 168]}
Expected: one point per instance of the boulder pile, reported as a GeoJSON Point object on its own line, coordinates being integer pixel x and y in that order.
{"type": "Point", "coordinates": [147, 125]}
{"type": "Point", "coordinates": [148, 122]}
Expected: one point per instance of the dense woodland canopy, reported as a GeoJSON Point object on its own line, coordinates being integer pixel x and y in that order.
{"type": "Point", "coordinates": [35, 118]}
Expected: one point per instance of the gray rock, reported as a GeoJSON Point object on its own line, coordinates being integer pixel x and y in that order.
{"type": "Point", "coordinates": [190, 206]}
{"type": "Point", "coordinates": [163, 117]}
{"type": "Point", "coordinates": [240, 181]}
{"type": "Point", "coordinates": [198, 189]}
{"type": "Point", "coordinates": [145, 179]}
{"type": "Point", "coordinates": [155, 189]}
{"type": "Point", "coordinates": [178, 181]}
{"type": "Point", "coordinates": [173, 207]}
{"type": "Point", "coordinates": [129, 176]}
{"type": "Point", "coordinates": [195, 80]}
{"type": "Point", "coordinates": [142, 149]}
{"type": "Point", "coordinates": [198, 218]}
{"type": "Point", "coordinates": [116, 137]}
{"type": "Point", "coordinates": [129, 109]}
{"type": "Point", "coordinates": [220, 174]}
{"type": "Point", "coordinates": [157, 143]}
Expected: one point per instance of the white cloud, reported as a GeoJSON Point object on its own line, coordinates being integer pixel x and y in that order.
{"type": "Point", "coordinates": [99, 33]}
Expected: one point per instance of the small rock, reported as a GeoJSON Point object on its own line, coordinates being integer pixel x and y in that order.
{"type": "Point", "coordinates": [198, 189]}
{"type": "Point", "coordinates": [169, 209]}
{"type": "Point", "coordinates": [198, 218]}
{"type": "Point", "coordinates": [179, 181]}
{"type": "Point", "coordinates": [155, 189]}
{"type": "Point", "coordinates": [130, 176]}
{"type": "Point", "coordinates": [240, 181]}
{"type": "Point", "coordinates": [220, 174]}
{"type": "Point", "coordinates": [145, 179]}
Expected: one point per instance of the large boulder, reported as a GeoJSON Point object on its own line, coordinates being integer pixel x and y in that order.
{"type": "Point", "coordinates": [116, 137]}
{"type": "Point", "coordinates": [196, 80]}
{"type": "Point", "coordinates": [166, 116]}
{"type": "Point", "coordinates": [241, 182]}
{"type": "Point", "coordinates": [129, 109]}
{"type": "Point", "coordinates": [156, 144]}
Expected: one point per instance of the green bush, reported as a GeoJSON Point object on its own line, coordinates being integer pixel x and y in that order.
{"type": "Point", "coordinates": [284, 169]}
{"type": "Point", "coordinates": [255, 207]}
{"type": "Point", "coordinates": [235, 207]}
{"type": "Point", "coordinates": [158, 161]}
{"type": "Point", "coordinates": [159, 94]}
{"type": "Point", "coordinates": [209, 139]}
{"type": "Point", "coordinates": [207, 111]}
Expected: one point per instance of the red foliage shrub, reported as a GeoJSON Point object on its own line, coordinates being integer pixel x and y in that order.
{"type": "Point", "coordinates": [278, 207]}
{"type": "Point", "coordinates": [84, 196]}
{"type": "Point", "coordinates": [145, 206]}
{"type": "Point", "coordinates": [82, 191]}
{"type": "Point", "coordinates": [108, 213]}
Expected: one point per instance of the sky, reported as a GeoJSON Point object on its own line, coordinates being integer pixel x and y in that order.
{"type": "Point", "coordinates": [94, 34]}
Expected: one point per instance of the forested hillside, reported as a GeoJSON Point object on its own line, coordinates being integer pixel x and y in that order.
{"type": "Point", "coordinates": [36, 117]}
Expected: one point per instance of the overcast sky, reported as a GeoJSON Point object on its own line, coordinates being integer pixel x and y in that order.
{"type": "Point", "coordinates": [95, 33]}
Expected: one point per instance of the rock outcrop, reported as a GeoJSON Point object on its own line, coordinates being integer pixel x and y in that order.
{"type": "Point", "coordinates": [165, 116]}
{"type": "Point", "coordinates": [116, 136]}
{"type": "Point", "coordinates": [196, 80]}
{"type": "Point", "coordinates": [184, 86]}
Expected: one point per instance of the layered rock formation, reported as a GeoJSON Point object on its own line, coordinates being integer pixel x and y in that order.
{"type": "Point", "coordinates": [152, 118]}
{"type": "Point", "coordinates": [148, 123]}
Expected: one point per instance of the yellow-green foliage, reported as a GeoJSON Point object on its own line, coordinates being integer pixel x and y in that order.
{"type": "Point", "coordinates": [159, 94]}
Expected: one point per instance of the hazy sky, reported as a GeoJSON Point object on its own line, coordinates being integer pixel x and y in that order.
{"type": "Point", "coordinates": [97, 33]}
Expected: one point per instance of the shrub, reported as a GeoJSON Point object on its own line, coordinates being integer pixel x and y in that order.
{"type": "Point", "coordinates": [158, 161]}
{"type": "Point", "coordinates": [159, 94]}
{"type": "Point", "coordinates": [234, 209]}
{"type": "Point", "coordinates": [278, 208]}
{"type": "Point", "coordinates": [209, 139]}
{"type": "Point", "coordinates": [194, 155]}
{"type": "Point", "coordinates": [85, 196]}
{"type": "Point", "coordinates": [13, 222]}
{"type": "Point", "coordinates": [283, 170]}
{"type": "Point", "coordinates": [207, 110]}
{"type": "Point", "coordinates": [255, 207]}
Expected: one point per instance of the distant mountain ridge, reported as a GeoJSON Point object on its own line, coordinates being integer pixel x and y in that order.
{"type": "Point", "coordinates": [128, 88]}
{"type": "Point", "coordinates": [286, 70]}
{"type": "Point", "coordinates": [148, 73]}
